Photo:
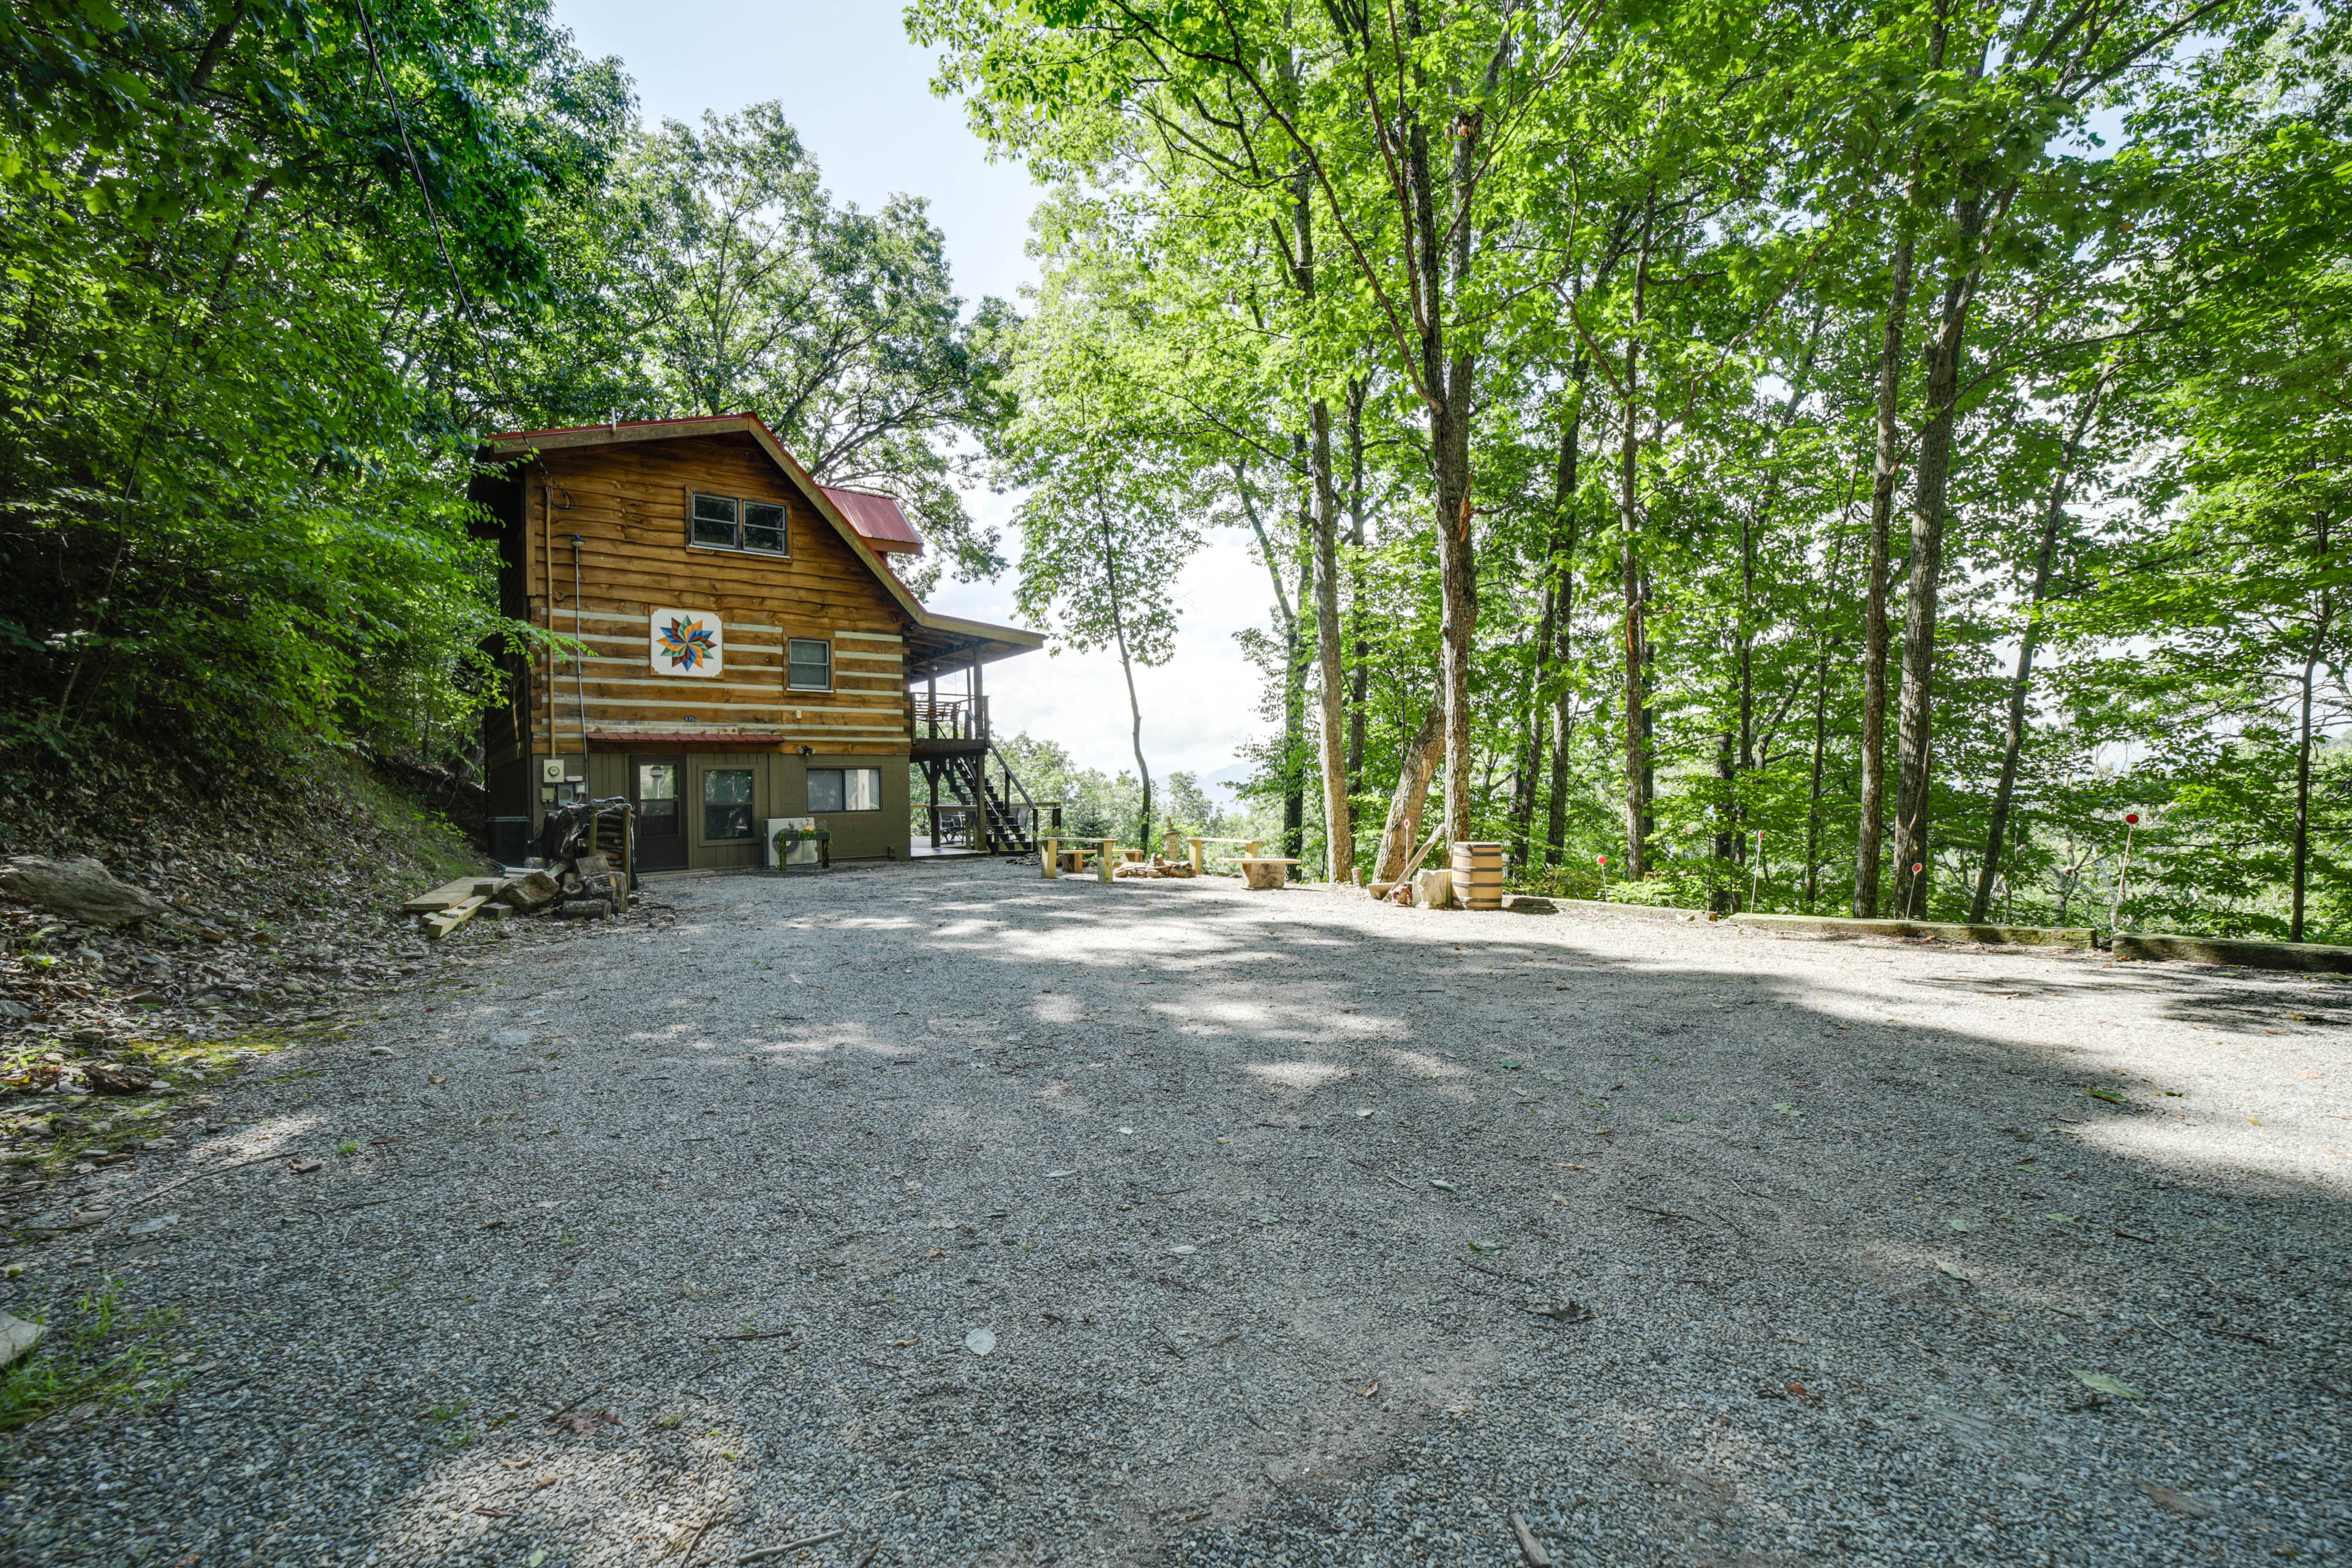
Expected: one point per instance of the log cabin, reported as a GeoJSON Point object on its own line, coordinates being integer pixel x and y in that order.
{"type": "Point", "coordinates": [749, 653]}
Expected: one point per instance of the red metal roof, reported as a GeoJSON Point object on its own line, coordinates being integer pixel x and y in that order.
{"type": "Point", "coordinates": [876, 519]}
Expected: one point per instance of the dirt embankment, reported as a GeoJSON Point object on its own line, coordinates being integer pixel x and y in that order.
{"type": "Point", "coordinates": [269, 913]}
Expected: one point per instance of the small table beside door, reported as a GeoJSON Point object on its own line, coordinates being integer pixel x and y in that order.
{"type": "Point", "coordinates": [657, 785]}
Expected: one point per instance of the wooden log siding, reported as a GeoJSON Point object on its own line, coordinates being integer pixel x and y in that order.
{"type": "Point", "coordinates": [629, 506]}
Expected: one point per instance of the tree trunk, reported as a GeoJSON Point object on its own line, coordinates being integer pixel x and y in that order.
{"type": "Point", "coordinates": [1294, 725]}
{"type": "Point", "coordinates": [1556, 632]}
{"type": "Point", "coordinates": [1736, 747]}
{"type": "Point", "coordinates": [2302, 750]}
{"type": "Point", "coordinates": [1457, 598]}
{"type": "Point", "coordinates": [1127, 668]}
{"type": "Point", "coordinates": [1294, 696]}
{"type": "Point", "coordinates": [1914, 743]}
{"type": "Point", "coordinates": [1629, 522]}
{"type": "Point", "coordinates": [1822, 722]}
{"type": "Point", "coordinates": [1363, 659]}
{"type": "Point", "coordinates": [1873, 824]}
{"type": "Point", "coordinates": [1323, 529]}
{"type": "Point", "coordinates": [1529, 758]}
{"type": "Point", "coordinates": [1339, 833]}
{"type": "Point", "coordinates": [1813, 788]}
{"type": "Point", "coordinates": [1438, 256]}
{"type": "Point", "coordinates": [1401, 836]}
{"type": "Point", "coordinates": [1563, 723]}
{"type": "Point", "coordinates": [1142, 770]}
{"type": "Point", "coordinates": [1727, 835]}
{"type": "Point", "coordinates": [1874, 604]}
{"type": "Point", "coordinates": [2054, 515]}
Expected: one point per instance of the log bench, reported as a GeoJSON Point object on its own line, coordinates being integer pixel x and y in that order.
{"type": "Point", "coordinates": [1264, 872]}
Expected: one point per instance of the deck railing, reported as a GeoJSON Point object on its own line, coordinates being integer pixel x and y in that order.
{"type": "Point", "coordinates": [958, 825]}
{"type": "Point", "coordinates": [950, 718]}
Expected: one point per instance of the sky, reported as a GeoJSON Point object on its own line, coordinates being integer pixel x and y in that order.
{"type": "Point", "coordinates": [859, 94]}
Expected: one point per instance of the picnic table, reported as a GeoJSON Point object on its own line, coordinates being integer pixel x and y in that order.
{"type": "Point", "coordinates": [1053, 859]}
{"type": "Point", "coordinates": [1057, 857]}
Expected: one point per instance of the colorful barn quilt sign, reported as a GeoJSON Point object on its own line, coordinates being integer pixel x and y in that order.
{"type": "Point", "coordinates": [686, 643]}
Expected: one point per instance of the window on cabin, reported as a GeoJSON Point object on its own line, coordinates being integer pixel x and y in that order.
{"type": "Point", "coordinates": [714, 520]}
{"type": "Point", "coordinates": [727, 803]}
{"type": "Point", "coordinates": [722, 522]}
{"type": "Point", "coordinates": [763, 527]}
{"type": "Point", "coordinates": [812, 665]}
{"type": "Point", "coordinates": [844, 789]}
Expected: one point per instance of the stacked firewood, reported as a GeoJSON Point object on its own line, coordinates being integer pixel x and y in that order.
{"type": "Point", "coordinates": [585, 887]}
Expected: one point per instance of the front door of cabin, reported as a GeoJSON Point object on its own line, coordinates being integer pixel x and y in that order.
{"type": "Point", "coordinates": [657, 785]}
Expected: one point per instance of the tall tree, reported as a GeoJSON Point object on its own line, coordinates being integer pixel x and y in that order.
{"type": "Point", "coordinates": [2029, 639]}
{"type": "Point", "coordinates": [744, 286]}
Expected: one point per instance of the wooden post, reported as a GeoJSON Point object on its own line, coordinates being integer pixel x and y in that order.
{"type": "Point", "coordinates": [1103, 862]}
{"type": "Point", "coordinates": [1200, 858]}
{"type": "Point", "coordinates": [979, 711]}
{"type": "Point", "coordinates": [1051, 860]}
{"type": "Point", "coordinates": [931, 772]}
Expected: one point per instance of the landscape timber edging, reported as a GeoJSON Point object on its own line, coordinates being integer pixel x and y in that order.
{"type": "Point", "coordinates": [1644, 911]}
{"type": "Point", "coordinates": [2308, 956]}
{"type": "Point", "coordinates": [2072, 937]}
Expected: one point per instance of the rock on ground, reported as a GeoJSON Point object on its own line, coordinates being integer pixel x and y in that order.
{"type": "Point", "coordinates": [79, 888]}
{"type": "Point", "coordinates": [1299, 1229]}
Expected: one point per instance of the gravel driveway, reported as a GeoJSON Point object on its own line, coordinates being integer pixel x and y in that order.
{"type": "Point", "coordinates": [966, 1217]}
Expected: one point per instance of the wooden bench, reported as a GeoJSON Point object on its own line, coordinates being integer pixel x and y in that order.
{"type": "Point", "coordinates": [1250, 847]}
{"type": "Point", "coordinates": [1264, 872]}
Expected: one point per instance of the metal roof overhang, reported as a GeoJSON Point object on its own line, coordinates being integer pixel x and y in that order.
{"type": "Point", "coordinates": [936, 643]}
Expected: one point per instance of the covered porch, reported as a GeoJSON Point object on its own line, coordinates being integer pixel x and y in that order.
{"type": "Point", "coordinates": [973, 802]}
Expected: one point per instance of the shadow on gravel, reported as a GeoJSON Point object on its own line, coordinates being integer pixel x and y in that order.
{"type": "Point", "coordinates": [1657, 1248]}
{"type": "Point", "coordinates": [1326, 1233]}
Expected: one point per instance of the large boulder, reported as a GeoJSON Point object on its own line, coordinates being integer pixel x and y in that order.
{"type": "Point", "coordinates": [80, 889]}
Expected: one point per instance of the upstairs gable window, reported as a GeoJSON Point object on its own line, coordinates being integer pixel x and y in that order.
{"type": "Point", "coordinates": [723, 523]}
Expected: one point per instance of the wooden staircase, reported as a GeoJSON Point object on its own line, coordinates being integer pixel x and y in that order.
{"type": "Point", "coordinates": [1000, 818]}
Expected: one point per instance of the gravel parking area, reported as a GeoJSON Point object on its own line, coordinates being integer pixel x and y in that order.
{"type": "Point", "coordinates": [941, 1214]}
